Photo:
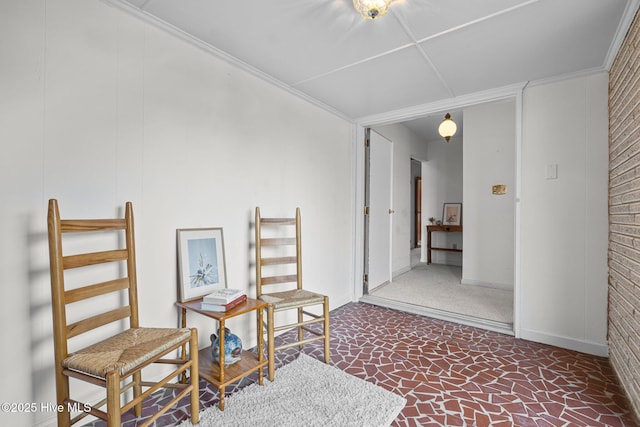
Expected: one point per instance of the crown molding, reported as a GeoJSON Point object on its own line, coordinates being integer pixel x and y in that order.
{"type": "Point", "coordinates": [405, 114]}
{"type": "Point", "coordinates": [621, 32]}
{"type": "Point", "coordinates": [219, 53]}
{"type": "Point", "coordinates": [568, 76]}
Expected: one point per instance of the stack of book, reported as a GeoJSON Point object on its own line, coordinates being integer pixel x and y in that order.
{"type": "Point", "coordinates": [223, 299]}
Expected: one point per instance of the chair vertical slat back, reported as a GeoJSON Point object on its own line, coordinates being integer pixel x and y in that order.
{"type": "Point", "coordinates": [59, 263]}
{"type": "Point", "coordinates": [131, 266]}
{"type": "Point", "coordinates": [280, 241]}
{"type": "Point", "coordinates": [298, 248]}
{"type": "Point", "coordinates": [259, 263]}
{"type": "Point", "coordinates": [57, 289]}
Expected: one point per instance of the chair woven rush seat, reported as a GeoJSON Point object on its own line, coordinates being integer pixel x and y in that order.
{"type": "Point", "coordinates": [288, 299]}
{"type": "Point", "coordinates": [125, 351]}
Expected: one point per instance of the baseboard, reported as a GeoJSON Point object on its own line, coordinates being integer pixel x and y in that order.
{"type": "Point", "coordinates": [589, 347]}
{"type": "Point", "coordinates": [401, 271]}
{"type": "Point", "coordinates": [51, 421]}
{"type": "Point", "coordinates": [334, 304]}
{"type": "Point", "coordinates": [504, 286]}
{"type": "Point", "coordinates": [445, 261]}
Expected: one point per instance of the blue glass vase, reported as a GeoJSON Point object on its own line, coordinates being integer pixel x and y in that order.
{"type": "Point", "coordinates": [232, 347]}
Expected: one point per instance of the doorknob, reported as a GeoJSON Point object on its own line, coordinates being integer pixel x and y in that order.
{"type": "Point", "coordinates": [391, 211]}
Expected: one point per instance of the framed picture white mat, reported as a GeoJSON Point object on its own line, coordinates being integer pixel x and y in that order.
{"type": "Point", "coordinates": [201, 262]}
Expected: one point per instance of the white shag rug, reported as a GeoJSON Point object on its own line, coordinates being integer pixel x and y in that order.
{"type": "Point", "coordinates": [307, 392]}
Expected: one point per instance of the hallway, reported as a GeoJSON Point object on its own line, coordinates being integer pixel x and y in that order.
{"type": "Point", "coordinates": [435, 290]}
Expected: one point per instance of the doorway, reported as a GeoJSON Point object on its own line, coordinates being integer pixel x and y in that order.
{"type": "Point", "coordinates": [430, 208]}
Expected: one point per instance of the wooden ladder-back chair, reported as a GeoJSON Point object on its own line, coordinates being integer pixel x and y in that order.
{"type": "Point", "coordinates": [115, 362]}
{"type": "Point", "coordinates": [286, 249]}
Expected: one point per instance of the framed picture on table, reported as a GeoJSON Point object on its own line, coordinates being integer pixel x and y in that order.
{"type": "Point", "coordinates": [201, 263]}
{"type": "Point", "coordinates": [452, 214]}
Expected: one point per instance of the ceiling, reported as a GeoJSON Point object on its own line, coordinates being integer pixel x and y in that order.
{"type": "Point", "coordinates": [422, 52]}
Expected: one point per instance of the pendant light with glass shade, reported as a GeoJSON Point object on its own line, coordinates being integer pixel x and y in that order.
{"type": "Point", "coordinates": [371, 9]}
{"type": "Point", "coordinates": [447, 128]}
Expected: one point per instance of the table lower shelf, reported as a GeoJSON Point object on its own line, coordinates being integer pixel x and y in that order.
{"type": "Point", "coordinates": [210, 370]}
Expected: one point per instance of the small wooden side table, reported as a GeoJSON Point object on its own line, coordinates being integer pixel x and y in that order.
{"type": "Point", "coordinates": [216, 373]}
{"type": "Point", "coordinates": [445, 229]}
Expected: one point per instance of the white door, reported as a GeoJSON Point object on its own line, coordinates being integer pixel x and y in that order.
{"type": "Point", "coordinates": [380, 209]}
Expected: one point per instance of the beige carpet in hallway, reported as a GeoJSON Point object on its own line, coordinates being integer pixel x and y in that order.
{"type": "Point", "coordinates": [438, 286]}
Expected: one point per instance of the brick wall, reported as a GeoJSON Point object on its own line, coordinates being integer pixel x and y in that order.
{"type": "Point", "coordinates": [624, 215]}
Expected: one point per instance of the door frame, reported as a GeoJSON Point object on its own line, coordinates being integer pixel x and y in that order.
{"type": "Point", "coordinates": [507, 92]}
{"type": "Point", "coordinates": [416, 201]}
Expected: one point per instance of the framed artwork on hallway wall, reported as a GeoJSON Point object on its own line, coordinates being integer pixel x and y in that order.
{"type": "Point", "coordinates": [452, 214]}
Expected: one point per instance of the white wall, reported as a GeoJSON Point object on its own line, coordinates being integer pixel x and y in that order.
{"type": "Point", "coordinates": [488, 219]}
{"type": "Point", "coordinates": [442, 182]}
{"type": "Point", "coordinates": [98, 108]}
{"type": "Point", "coordinates": [406, 145]}
{"type": "Point", "coordinates": [563, 297]}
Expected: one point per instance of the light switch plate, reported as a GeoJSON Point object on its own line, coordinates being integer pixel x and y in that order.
{"type": "Point", "coordinates": [551, 171]}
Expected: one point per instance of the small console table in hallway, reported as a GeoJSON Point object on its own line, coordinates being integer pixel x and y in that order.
{"type": "Point", "coordinates": [445, 229]}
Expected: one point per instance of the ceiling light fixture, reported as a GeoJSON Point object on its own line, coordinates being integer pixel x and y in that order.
{"type": "Point", "coordinates": [371, 9]}
{"type": "Point", "coordinates": [447, 128]}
